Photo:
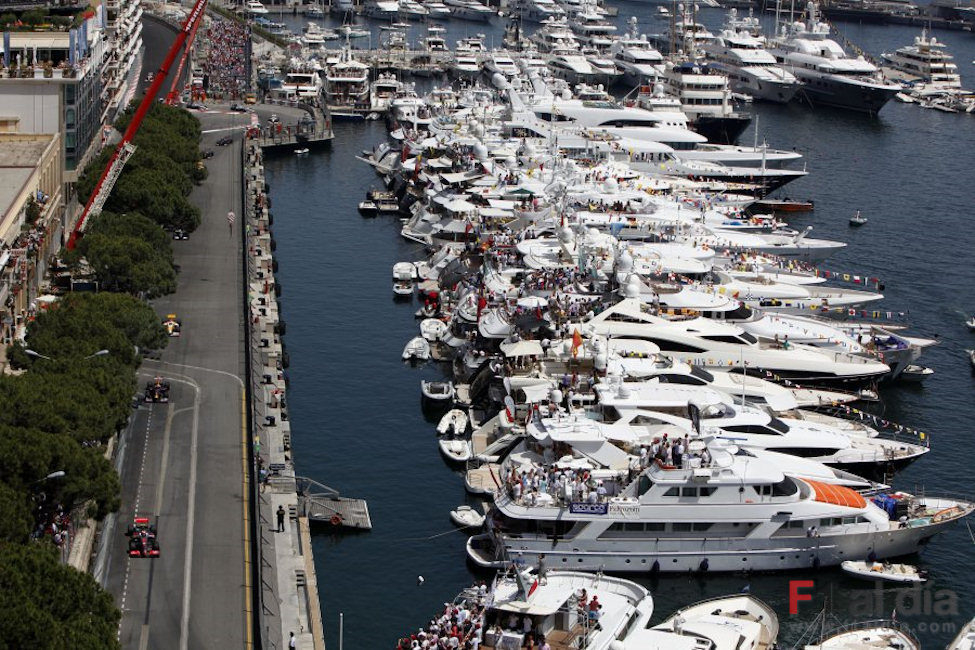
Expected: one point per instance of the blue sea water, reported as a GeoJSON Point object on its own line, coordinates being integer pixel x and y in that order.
{"type": "Point", "coordinates": [355, 408]}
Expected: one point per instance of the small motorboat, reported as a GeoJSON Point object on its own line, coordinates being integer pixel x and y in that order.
{"type": "Point", "coordinates": [403, 288]}
{"type": "Point", "coordinates": [432, 329]}
{"type": "Point", "coordinates": [302, 152]}
{"type": "Point", "coordinates": [857, 220]}
{"type": "Point", "coordinates": [905, 98]}
{"type": "Point", "coordinates": [368, 208]}
{"type": "Point", "coordinates": [456, 450]}
{"type": "Point", "coordinates": [454, 422]}
{"type": "Point", "coordinates": [482, 551]}
{"type": "Point", "coordinates": [663, 11]}
{"type": "Point", "coordinates": [971, 358]}
{"type": "Point", "coordinates": [436, 391]}
{"type": "Point", "coordinates": [466, 517]}
{"type": "Point", "coordinates": [915, 374]}
{"type": "Point", "coordinates": [404, 271]}
{"type": "Point", "coordinates": [885, 571]}
{"type": "Point", "coordinates": [416, 350]}
{"type": "Point", "coordinates": [970, 324]}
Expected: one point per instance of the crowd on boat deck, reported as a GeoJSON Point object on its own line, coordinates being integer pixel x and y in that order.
{"type": "Point", "coordinates": [225, 62]}
{"type": "Point", "coordinates": [558, 483]}
{"type": "Point", "coordinates": [459, 625]}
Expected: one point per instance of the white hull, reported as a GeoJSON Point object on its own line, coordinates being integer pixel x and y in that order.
{"type": "Point", "coordinates": [717, 555]}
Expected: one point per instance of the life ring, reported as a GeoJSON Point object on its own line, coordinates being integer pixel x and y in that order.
{"type": "Point", "coordinates": [336, 520]}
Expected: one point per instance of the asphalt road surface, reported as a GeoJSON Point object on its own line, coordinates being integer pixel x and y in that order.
{"type": "Point", "coordinates": [182, 464]}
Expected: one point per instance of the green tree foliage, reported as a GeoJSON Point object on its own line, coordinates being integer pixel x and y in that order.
{"type": "Point", "coordinates": [28, 455]}
{"type": "Point", "coordinates": [15, 517]}
{"type": "Point", "coordinates": [129, 253]}
{"type": "Point", "coordinates": [158, 178]}
{"type": "Point", "coordinates": [48, 605]}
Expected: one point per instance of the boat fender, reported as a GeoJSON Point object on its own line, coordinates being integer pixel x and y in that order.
{"type": "Point", "coordinates": [815, 563]}
{"type": "Point", "coordinates": [336, 520]}
{"type": "Point", "coordinates": [281, 328]}
{"type": "Point", "coordinates": [872, 557]}
{"type": "Point", "coordinates": [703, 567]}
{"type": "Point", "coordinates": [274, 266]}
{"type": "Point", "coordinates": [285, 360]}
{"type": "Point", "coordinates": [656, 567]}
{"type": "Point", "coordinates": [274, 244]}
{"type": "Point", "coordinates": [270, 218]}
{"type": "Point", "coordinates": [277, 288]}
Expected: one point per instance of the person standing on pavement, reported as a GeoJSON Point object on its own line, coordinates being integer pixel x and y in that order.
{"type": "Point", "coordinates": [280, 519]}
{"type": "Point", "coordinates": [292, 641]}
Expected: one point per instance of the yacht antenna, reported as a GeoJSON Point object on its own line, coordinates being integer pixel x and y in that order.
{"type": "Point", "coordinates": [756, 131]}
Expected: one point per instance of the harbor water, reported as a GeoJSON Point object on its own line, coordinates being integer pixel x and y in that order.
{"type": "Point", "coordinates": [355, 407]}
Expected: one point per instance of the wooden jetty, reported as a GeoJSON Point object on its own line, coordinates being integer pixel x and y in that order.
{"type": "Point", "coordinates": [324, 504]}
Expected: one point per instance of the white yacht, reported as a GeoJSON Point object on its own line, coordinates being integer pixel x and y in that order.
{"type": "Point", "coordinates": [382, 91]}
{"type": "Point", "coordinates": [705, 97]}
{"type": "Point", "coordinates": [739, 622]}
{"type": "Point", "coordinates": [652, 404]}
{"type": "Point", "coordinates": [557, 605]}
{"type": "Point", "coordinates": [555, 37]}
{"type": "Point", "coordinates": [255, 8]}
{"type": "Point", "coordinates": [638, 61]}
{"type": "Point", "coordinates": [712, 344]}
{"type": "Point", "coordinates": [593, 30]}
{"type": "Point", "coordinates": [501, 63]}
{"type": "Point", "coordinates": [724, 512]}
{"type": "Point", "coordinates": [314, 35]}
{"type": "Point", "coordinates": [300, 85]}
{"type": "Point", "coordinates": [574, 68]}
{"type": "Point", "coordinates": [750, 68]}
{"type": "Point", "coordinates": [347, 88]}
{"type": "Point", "coordinates": [464, 66]}
{"type": "Point", "coordinates": [536, 10]}
{"type": "Point", "coordinates": [926, 61]}
{"type": "Point", "coordinates": [468, 10]}
{"type": "Point", "coordinates": [829, 76]}
{"type": "Point", "coordinates": [868, 634]}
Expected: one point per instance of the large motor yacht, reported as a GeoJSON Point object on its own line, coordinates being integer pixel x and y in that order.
{"type": "Point", "coordinates": [712, 344]}
{"type": "Point", "coordinates": [925, 61]}
{"type": "Point", "coordinates": [750, 68]}
{"type": "Point", "coordinates": [705, 97]}
{"type": "Point", "coordinates": [829, 75]}
{"type": "Point", "coordinates": [720, 511]}
{"type": "Point", "coordinates": [347, 88]}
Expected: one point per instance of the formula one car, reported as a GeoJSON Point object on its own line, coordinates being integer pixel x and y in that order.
{"type": "Point", "coordinates": [142, 538]}
{"type": "Point", "coordinates": [157, 390]}
{"type": "Point", "coordinates": [172, 325]}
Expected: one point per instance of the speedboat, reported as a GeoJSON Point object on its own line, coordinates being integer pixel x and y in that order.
{"type": "Point", "coordinates": [453, 422]}
{"type": "Point", "coordinates": [885, 571]}
{"type": "Point", "coordinates": [440, 392]}
{"type": "Point", "coordinates": [301, 152]}
{"type": "Point", "coordinates": [915, 374]}
{"type": "Point", "coordinates": [970, 324]}
{"type": "Point", "coordinates": [417, 349]}
{"type": "Point", "coordinates": [404, 271]}
{"type": "Point", "coordinates": [971, 358]}
{"type": "Point", "coordinates": [432, 329]}
{"type": "Point", "coordinates": [403, 288]}
{"type": "Point", "coordinates": [456, 449]}
{"type": "Point", "coordinates": [466, 517]}
{"type": "Point", "coordinates": [857, 219]}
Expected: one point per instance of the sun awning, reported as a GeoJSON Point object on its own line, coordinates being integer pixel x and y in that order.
{"type": "Point", "coordinates": [522, 349]}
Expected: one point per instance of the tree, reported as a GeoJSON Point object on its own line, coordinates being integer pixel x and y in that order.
{"type": "Point", "coordinates": [46, 604]}
{"type": "Point", "coordinates": [28, 455]}
{"type": "Point", "coordinates": [15, 518]}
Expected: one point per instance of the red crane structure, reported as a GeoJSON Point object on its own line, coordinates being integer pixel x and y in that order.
{"type": "Point", "coordinates": [125, 147]}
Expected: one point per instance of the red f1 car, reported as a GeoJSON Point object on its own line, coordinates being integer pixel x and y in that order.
{"type": "Point", "coordinates": [142, 538]}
